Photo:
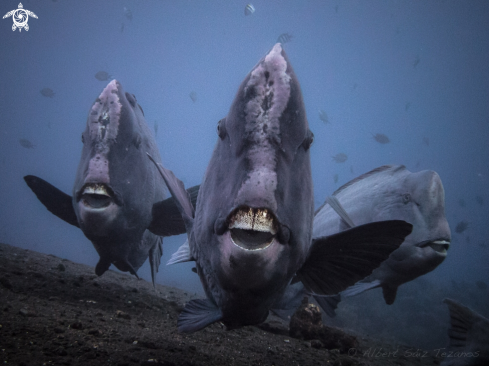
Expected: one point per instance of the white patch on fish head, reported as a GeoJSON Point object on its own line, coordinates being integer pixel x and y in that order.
{"type": "Point", "coordinates": [96, 200]}
{"type": "Point", "coordinates": [269, 86]}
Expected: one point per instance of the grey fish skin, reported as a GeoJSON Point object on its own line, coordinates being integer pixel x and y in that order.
{"type": "Point", "coordinates": [116, 188]}
{"type": "Point", "coordinates": [251, 230]}
{"type": "Point", "coordinates": [114, 173]}
{"type": "Point", "coordinates": [469, 337]}
{"type": "Point", "coordinates": [388, 193]}
{"type": "Point", "coordinates": [261, 160]}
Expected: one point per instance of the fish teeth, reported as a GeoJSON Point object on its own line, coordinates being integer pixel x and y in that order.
{"type": "Point", "coordinates": [96, 189]}
{"type": "Point", "coordinates": [253, 219]}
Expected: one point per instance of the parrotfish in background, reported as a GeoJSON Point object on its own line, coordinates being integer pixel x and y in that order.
{"type": "Point", "coordinates": [116, 187]}
{"type": "Point", "coordinates": [249, 9]}
{"type": "Point", "coordinates": [26, 143]}
{"type": "Point", "coordinates": [381, 138]}
{"type": "Point", "coordinates": [392, 192]}
{"type": "Point", "coordinates": [469, 337]}
{"type": "Point", "coordinates": [103, 76]}
{"type": "Point", "coordinates": [340, 158]}
{"type": "Point", "coordinates": [47, 92]}
{"type": "Point", "coordinates": [323, 116]}
{"type": "Point", "coordinates": [251, 232]}
{"type": "Point", "coordinates": [284, 38]}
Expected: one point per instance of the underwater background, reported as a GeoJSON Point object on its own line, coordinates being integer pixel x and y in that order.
{"type": "Point", "coordinates": [415, 71]}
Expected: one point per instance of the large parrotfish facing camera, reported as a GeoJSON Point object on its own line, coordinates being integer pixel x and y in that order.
{"type": "Point", "coordinates": [251, 231]}
{"type": "Point", "coordinates": [118, 194]}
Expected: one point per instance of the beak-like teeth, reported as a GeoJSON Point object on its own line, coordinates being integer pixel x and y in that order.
{"type": "Point", "coordinates": [95, 188]}
{"type": "Point", "coordinates": [256, 219]}
{"type": "Point", "coordinates": [440, 246]}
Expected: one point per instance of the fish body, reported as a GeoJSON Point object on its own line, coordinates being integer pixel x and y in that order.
{"type": "Point", "coordinates": [335, 178]}
{"type": "Point", "coordinates": [340, 158]}
{"type": "Point", "coordinates": [323, 116]}
{"type": "Point", "coordinates": [461, 227]}
{"type": "Point", "coordinates": [284, 38]}
{"type": "Point", "coordinates": [193, 96]}
{"type": "Point", "coordinates": [128, 13]}
{"type": "Point", "coordinates": [249, 9]}
{"type": "Point", "coordinates": [468, 337]}
{"type": "Point", "coordinates": [387, 193]}
{"type": "Point", "coordinates": [115, 186]}
{"type": "Point", "coordinates": [47, 92]}
{"type": "Point", "coordinates": [381, 138]}
{"type": "Point", "coordinates": [479, 200]}
{"type": "Point", "coordinates": [103, 76]}
{"type": "Point", "coordinates": [26, 143]}
{"type": "Point", "coordinates": [251, 230]}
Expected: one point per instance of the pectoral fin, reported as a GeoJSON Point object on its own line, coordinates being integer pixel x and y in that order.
{"type": "Point", "coordinates": [197, 315]}
{"type": "Point", "coordinates": [389, 293]}
{"type": "Point", "coordinates": [57, 202]}
{"type": "Point", "coordinates": [328, 304]}
{"type": "Point", "coordinates": [155, 254]}
{"type": "Point", "coordinates": [179, 194]}
{"type": "Point", "coordinates": [360, 287]}
{"type": "Point", "coordinates": [181, 255]}
{"type": "Point", "coordinates": [167, 220]}
{"type": "Point", "coordinates": [338, 261]}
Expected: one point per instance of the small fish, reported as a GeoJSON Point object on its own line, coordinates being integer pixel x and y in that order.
{"type": "Point", "coordinates": [461, 227]}
{"type": "Point", "coordinates": [155, 126]}
{"type": "Point", "coordinates": [103, 76]}
{"type": "Point", "coordinates": [481, 285]}
{"type": "Point", "coordinates": [284, 38]}
{"type": "Point", "coordinates": [193, 96]}
{"type": "Point", "coordinates": [336, 9]}
{"type": "Point", "coordinates": [468, 337]}
{"type": "Point", "coordinates": [122, 27]}
{"type": "Point", "coordinates": [461, 202]}
{"type": "Point", "coordinates": [479, 200]}
{"type": "Point", "coordinates": [128, 13]}
{"type": "Point", "coordinates": [408, 104]}
{"type": "Point", "coordinates": [351, 169]}
{"type": "Point", "coordinates": [426, 141]}
{"type": "Point", "coordinates": [335, 178]}
{"type": "Point", "coordinates": [323, 116]}
{"type": "Point", "coordinates": [47, 92]}
{"type": "Point", "coordinates": [416, 61]}
{"type": "Point", "coordinates": [340, 158]}
{"type": "Point", "coordinates": [249, 9]}
{"type": "Point", "coordinates": [26, 143]}
{"type": "Point", "coordinates": [381, 138]}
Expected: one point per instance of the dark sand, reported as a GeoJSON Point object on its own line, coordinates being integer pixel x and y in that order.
{"type": "Point", "coordinates": [56, 312]}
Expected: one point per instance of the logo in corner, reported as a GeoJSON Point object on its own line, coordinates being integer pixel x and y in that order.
{"type": "Point", "coordinates": [20, 17]}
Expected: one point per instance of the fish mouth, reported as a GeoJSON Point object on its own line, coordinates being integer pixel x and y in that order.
{"type": "Point", "coordinates": [252, 229]}
{"type": "Point", "coordinates": [440, 245]}
{"type": "Point", "coordinates": [96, 195]}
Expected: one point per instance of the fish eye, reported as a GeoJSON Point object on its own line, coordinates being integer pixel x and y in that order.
{"type": "Point", "coordinates": [221, 128]}
{"type": "Point", "coordinates": [406, 198]}
{"type": "Point", "coordinates": [308, 140]}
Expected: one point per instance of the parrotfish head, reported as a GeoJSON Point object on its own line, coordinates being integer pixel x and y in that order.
{"type": "Point", "coordinates": [114, 189]}
{"type": "Point", "coordinates": [259, 183]}
{"type": "Point", "coordinates": [423, 201]}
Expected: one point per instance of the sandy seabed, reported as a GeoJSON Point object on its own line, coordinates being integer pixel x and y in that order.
{"type": "Point", "coordinates": [57, 312]}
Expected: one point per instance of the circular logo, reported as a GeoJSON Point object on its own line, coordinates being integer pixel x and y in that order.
{"type": "Point", "coordinates": [20, 18]}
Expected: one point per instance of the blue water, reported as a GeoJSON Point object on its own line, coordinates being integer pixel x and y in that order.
{"type": "Point", "coordinates": [407, 69]}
